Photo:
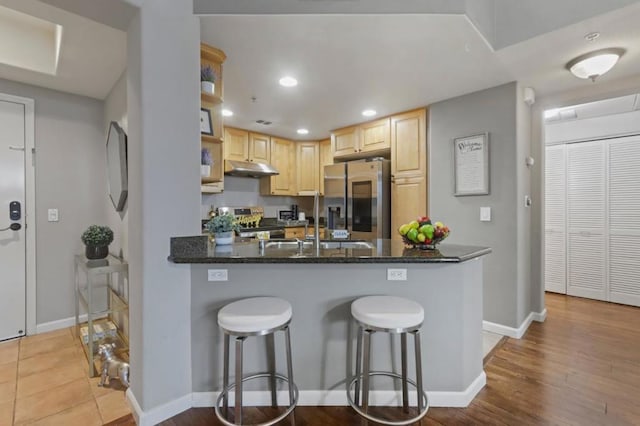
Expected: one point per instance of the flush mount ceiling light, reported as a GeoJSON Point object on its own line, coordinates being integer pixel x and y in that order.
{"type": "Point", "coordinates": [227, 113]}
{"type": "Point", "coordinates": [594, 64]}
{"type": "Point", "coordinates": [288, 81]}
{"type": "Point", "coordinates": [303, 131]}
{"type": "Point", "coordinates": [369, 112]}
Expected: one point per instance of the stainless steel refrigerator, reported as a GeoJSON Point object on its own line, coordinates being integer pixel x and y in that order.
{"type": "Point", "coordinates": [357, 198]}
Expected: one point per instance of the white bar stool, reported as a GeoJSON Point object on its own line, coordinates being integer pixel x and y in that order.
{"type": "Point", "coordinates": [257, 316]}
{"type": "Point", "coordinates": [387, 314]}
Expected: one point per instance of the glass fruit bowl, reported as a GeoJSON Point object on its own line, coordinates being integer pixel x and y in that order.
{"type": "Point", "coordinates": [422, 246]}
{"type": "Point", "coordinates": [423, 234]}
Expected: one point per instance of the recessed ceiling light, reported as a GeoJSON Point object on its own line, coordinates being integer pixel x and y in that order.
{"type": "Point", "coordinates": [227, 112]}
{"type": "Point", "coordinates": [288, 81]}
{"type": "Point", "coordinates": [303, 131]}
{"type": "Point", "coordinates": [594, 64]}
{"type": "Point", "coordinates": [369, 112]}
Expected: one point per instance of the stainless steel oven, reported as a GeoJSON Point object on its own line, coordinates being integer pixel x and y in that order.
{"type": "Point", "coordinates": [251, 220]}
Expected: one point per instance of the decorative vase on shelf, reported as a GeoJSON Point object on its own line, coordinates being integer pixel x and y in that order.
{"type": "Point", "coordinates": [205, 170]}
{"type": "Point", "coordinates": [96, 252]}
{"type": "Point", "coordinates": [223, 238]}
{"type": "Point", "coordinates": [96, 239]}
{"type": "Point", "coordinates": [208, 87]}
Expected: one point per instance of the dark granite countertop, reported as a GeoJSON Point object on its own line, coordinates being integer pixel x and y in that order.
{"type": "Point", "coordinates": [198, 249]}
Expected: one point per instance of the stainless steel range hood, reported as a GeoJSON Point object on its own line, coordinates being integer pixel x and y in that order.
{"type": "Point", "coordinates": [248, 169]}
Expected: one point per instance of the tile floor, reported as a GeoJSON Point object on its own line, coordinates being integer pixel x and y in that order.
{"type": "Point", "coordinates": [44, 381]}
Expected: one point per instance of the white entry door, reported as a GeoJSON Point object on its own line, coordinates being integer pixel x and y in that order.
{"type": "Point", "coordinates": [12, 242]}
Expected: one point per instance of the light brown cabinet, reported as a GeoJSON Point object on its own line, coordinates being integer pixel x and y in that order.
{"type": "Point", "coordinates": [408, 168]}
{"type": "Point", "coordinates": [283, 158]}
{"type": "Point", "coordinates": [211, 106]}
{"type": "Point", "coordinates": [307, 166]}
{"type": "Point", "coordinates": [375, 136]}
{"type": "Point", "coordinates": [362, 140]}
{"type": "Point", "coordinates": [299, 232]}
{"type": "Point", "coordinates": [326, 158]}
{"type": "Point", "coordinates": [242, 145]}
{"type": "Point", "coordinates": [345, 142]}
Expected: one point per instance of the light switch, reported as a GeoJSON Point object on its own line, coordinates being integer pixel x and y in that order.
{"type": "Point", "coordinates": [52, 215]}
{"type": "Point", "coordinates": [485, 214]}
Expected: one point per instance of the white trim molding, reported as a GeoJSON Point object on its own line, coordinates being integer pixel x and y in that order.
{"type": "Point", "coordinates": [516, 333]}
{"type": "Point", "coordinates": [339, 398]}
{"type": "Point", "coordinates": [63, 323]}
{"type": "Point", "coordinates": [160, 413]}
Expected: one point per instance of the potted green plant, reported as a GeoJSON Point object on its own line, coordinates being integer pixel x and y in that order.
{"type": "Point", "coordinates": [207, 79]}
{"type": "Point", "coordinates": [96, 239]}
{"type": "Point", "coordinates": [205, 162]}
{"type": "Point", "coordinates": [222, 227]}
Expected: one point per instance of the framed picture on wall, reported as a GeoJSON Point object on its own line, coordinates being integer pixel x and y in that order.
{"type": "Point", "coordinates": [205, 122]}
{"type": "Point", "coordinates": [471, 165]}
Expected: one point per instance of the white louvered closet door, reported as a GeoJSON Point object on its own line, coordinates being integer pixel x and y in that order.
{"type": "Point", "coordinates": [586, 236]}
{"type": "Point", "coordinates": [555, 254]}
{"type": "Point", "coordinates": [624, 220]}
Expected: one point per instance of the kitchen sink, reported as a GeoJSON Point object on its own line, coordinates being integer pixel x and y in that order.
{"type": "Point", "coordinates": [292, 244]}
{"type": "Point", "coordinates": [287, 244]}
{"type": "Point", "coordinates": [348, 244]}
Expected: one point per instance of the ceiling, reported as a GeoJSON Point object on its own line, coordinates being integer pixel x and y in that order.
{"type": "Point", "coordinates": [92, 56]}
{"type": "Point", "coordinates": [349, 55]}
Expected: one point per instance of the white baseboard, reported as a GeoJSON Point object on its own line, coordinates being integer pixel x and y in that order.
{"type": "Point", "coordinates": [62, 323]}
{"type": "Point", "coordinates": [339, 397]}
{"type": "Point", "coordinates": [160, 413]}
{"type": "Point", "coordinates": [516, 333]}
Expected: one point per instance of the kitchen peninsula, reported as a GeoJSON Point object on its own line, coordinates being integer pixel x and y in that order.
{"type": "Point", "coordinates": [320, 283]}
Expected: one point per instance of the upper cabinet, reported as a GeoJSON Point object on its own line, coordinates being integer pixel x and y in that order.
{"type": "Point", "coordinates": [345, 142]}
{"type": "Point", "coordinates": [326, 158]}
{"type": "Point", "coordinates": [242, 145]}
{"type": "Point", "coordinates": [362, 140]}
{"type": "Point", "coordinates": [211, 125]}
{"type": "Point", "coordinates": [307, 166]}
{"type": "Point", "coordinates": [283, 158]}
{"type": "Point", "coordinates": [375, 135]}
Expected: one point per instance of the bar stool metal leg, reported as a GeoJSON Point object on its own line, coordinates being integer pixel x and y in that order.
{"type": "Point", "coordinates": [405, 386]}
{"type": "Point", "coordinates": [366, 369]}
{"type": "Point", "coordinates": [416, 338]}
{"type": "Point", "coordinates": [238, 388]}
{"type": "Point", "coordinates": [358, 363]}
{"type": "Point", "coordinates": [271, 361]}
{"type": "Point", "coordinates": [292, 397]}
{"type": "Point", "coordinates": [225, 377]}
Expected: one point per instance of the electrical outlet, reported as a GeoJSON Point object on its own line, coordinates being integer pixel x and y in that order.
{"type": "Point", "coordinates": [52, 215]}
{"type": "Point", "coordinates": [396, 274]}
{"type": "Point", "coordinates": [217, 275]}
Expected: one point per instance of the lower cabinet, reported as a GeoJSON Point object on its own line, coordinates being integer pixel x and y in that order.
{"type": "Point", "coordinates": [299, 232]}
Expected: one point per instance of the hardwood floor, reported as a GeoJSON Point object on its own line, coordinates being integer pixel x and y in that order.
{"type": "Point", "coordinates": [580, 367]}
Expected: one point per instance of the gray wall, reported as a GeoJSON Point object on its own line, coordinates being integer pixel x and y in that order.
{"type": "Point", "coordinates": [163, 98]}
{"type": "Point", "coordinates": [115, 109]}
{"type": "Point", "coordinates": [491, 110]}
{"type": "Point", "coordinates": [243, 191]}
{"type": "Point", "coordinates": [70, 176]}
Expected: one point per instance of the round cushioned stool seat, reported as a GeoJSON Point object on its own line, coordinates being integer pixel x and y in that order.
{"type": "Point", "coordinates": [254, 314]}
{"type": "Point", "coordinates": [387, 312]}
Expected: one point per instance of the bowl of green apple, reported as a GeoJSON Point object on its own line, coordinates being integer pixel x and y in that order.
{"type": "Point", "coordinates": [423, 234]}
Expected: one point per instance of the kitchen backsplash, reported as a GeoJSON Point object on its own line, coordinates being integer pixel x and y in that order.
{"type": "Point", "coordinates": [240, 191]}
